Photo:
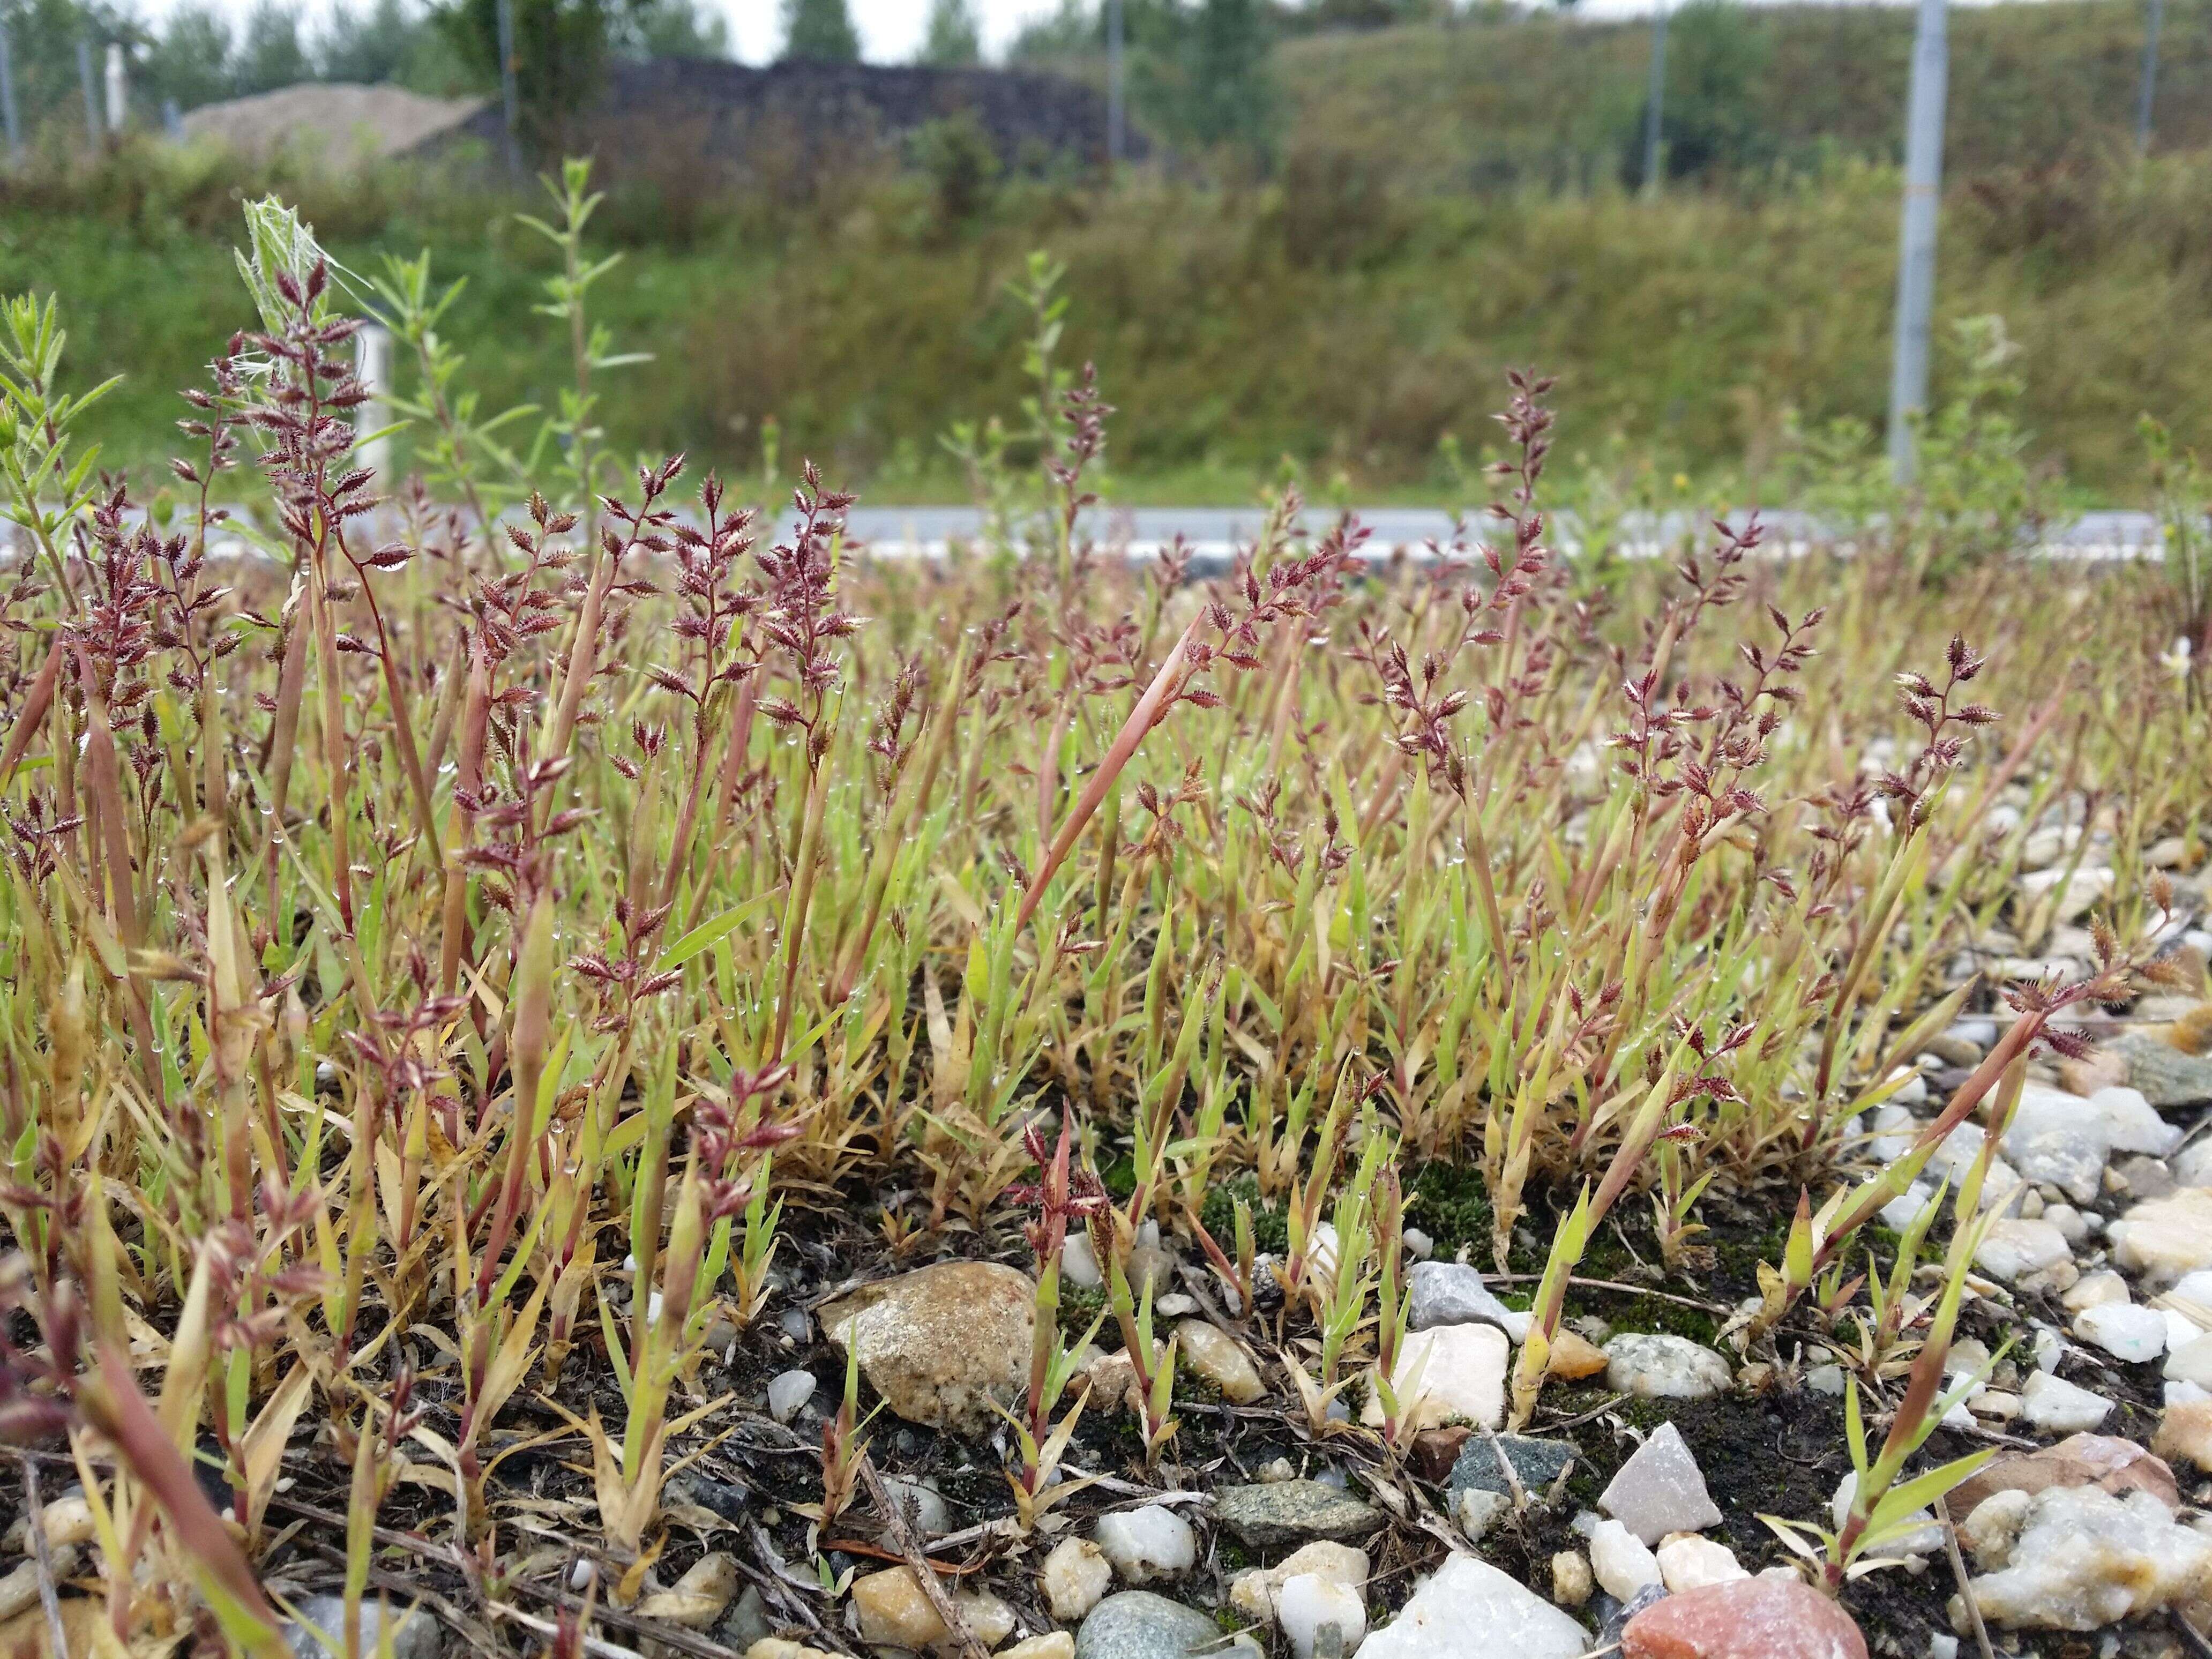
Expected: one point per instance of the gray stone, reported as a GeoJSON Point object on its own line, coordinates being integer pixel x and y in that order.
{"type": "Point", "coordinates": [919, 1503]}
{"type": "Point", "coordinates": [787, 1392]}
{"type": "Point", "coordinates": [2147, 1177]}
{"type": "Point", "coordinates": [1661, 1489]}
{"type": "Point", "coordinates": [746, 1623]}
{"type": "Point", "coordinates": [1280, 1512]}
{"type": "Point", "coordinates": [2162, 1073]}
{"type": "Point", "coordinates": [2071, 1158]}
{"type": "Point", "coordinates": [1451, 1293]}
{"type": "Point", "coordinates": [1613, 1617]}
{"type": "Point", "coordinates": [415, 1635]}
{"type": "Point", "coordinates": [1138, 1624]}
{"type": "Point", "coordinates": [1535, 1464]}
{"type": "Point", "coordinates": [1661, 1367]}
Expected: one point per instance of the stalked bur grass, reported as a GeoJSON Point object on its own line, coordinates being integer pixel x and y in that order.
{"type": "Point", "coordinates": [481, 919]}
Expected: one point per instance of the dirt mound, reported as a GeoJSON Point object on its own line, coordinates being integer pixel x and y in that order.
{"type": "Point", "coordinates": [339, 121]}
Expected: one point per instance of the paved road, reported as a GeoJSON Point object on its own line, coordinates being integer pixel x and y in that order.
{"type": "Point", "coordinates": [1215, 533]}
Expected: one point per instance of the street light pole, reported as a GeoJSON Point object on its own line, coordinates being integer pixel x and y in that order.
{"type": "Point", "coordinates": [7, 116]}
{"type": "Point", "coordinates": [509, 93]}
{"type": "Point", "coordinates": [1655, 96]}
{"type": "Point", "coordinates": [1117, 114]}
{"type": "Point", "coordinates": [1916, 261]}
{"type": "Point", "coordinates": [91, 91]}
{"type": "Point", "coordinates": [2148, 93]}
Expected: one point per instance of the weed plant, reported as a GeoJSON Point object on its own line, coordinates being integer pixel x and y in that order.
{"type": "Point", "coordinates": [453, 922]}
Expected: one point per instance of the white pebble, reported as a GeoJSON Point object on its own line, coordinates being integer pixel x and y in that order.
{"type": "Point", "coordinates": [1309, 1601]}
{"type": "Point", "coordinates": [2052, 1403]}
{"type": "Point", "coordinates": [788, 1391]}
{"type": "Point", "coordinates": [1621, 1560]}
{"type": "Point", "coordinates": [1078, 1266]}
{"type": "Point", "coordinates": [2123, 1331]}
{"type": "Point", "coordinates": [1143, 1545]}
{"type": "Point", "coordinates": [1690, 1562]}
{"type": "Point", "coordinates": [2191, 1362]}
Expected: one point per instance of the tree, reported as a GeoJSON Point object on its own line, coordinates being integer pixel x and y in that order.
{"type": "Point", "coordinates": [1716, 53]}
{"type": "Point", "coordinates": [669, 29]}
{"type": "Point", "coordinates": [821, 30]}
{"type": "Point", "coordinates": [953, 40]}
{"type": "Point", "coordinates": [270, 55]}
{"type": "Point", "coordinates": [560, 57]}
{"type": "Point", "coordinates": [189, 61]}
{"type": "Point", "coordinates": [369, 46]}
{"type": "Point", "coordinates": [42, 42]}
{"type": "Point", "coordinates": [1227, 98]}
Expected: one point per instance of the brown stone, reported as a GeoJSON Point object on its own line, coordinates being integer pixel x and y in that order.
{"type": "Point", "coordinates": [2192, 1032]}
{"type": "Point", "coordinates": [1435, 1450]}
{"type": "Point", "coordinates": [1574, 1357]}
{"type": "Point", "coordinates": [2184, 1434]}
{"type": "Point", "coordinates": [1746, 1618]}
{"type": "Point", "coordinates": [941, 1343]}
{"type": "Point", "coordinates": [2117, 1466]}
{"type": "Point", "coordinates": [895, 1612]}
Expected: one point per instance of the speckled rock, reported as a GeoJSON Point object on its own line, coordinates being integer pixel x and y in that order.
{"type": "Point", "coordinates": [941, 1343]}
{"type": "Point", "coordinates": [1535, 1463]}
{"type": "Point", "coordinates": [1661, 1367]}
{"type": "Point", "coordinates": [2075, 1557]}
{"type": "Point", "coordinates": [1277, 1513]}
{"type": "Point", "coordinates": [1138, 1624]}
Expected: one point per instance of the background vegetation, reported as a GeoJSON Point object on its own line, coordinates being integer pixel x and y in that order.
{"type": "Point", "coordinates": [1290, 282]}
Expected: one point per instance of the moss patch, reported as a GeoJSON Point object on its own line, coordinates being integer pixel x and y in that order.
{"type": "Point", "coordinates": [1451, 1205]}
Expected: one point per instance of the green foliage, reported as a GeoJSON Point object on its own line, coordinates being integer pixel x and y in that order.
{"type": "Point", "coordinates": [271, 53]}
{"type": "Point", "coordinates": [956, 155]}
{"type": "Point", "coordinates": [1535, 98]}
{"type": "Point", "coordinates": [820, 30]}
{"type": "Point", "coordinates": [191, 62]}
{"type": "Point", "coordinates": [1237, 337]}
{"type": "Point", "coordinates": [952, 39]}
{"type": "Point", "coordinates": [561, 50]}
{"type": "Point", "coordinates": [1717, 53]}
{"type": "Point", "coordinates": [1977, 487]}
{"type": "Point", "coordinates": [42, 44]}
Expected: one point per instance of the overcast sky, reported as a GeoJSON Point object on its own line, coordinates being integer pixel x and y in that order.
{"type": "Point", "coordinates": [890, 30]}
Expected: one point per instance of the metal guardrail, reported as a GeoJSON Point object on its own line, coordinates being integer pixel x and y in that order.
{"type": "Point", "coordinates": [1214, 535]}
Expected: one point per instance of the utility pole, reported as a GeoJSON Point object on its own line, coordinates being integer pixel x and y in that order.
{"type": "Point", "coordinates": [1655, 97]}
{"type": "Point", "coordinates": [1117, 115]}
{"type": "Point", "coordinates": [7, 116]}
{"type": "Point", "coordinates": [118, 87]}
{"type": "Point", "coordinates": [2148, 94]}
{"type": "Point", "coordinates": [373, 445]}
{"type": "Point", "coordinates": [507, 91]}
{"type": "Point", "coordinates": [1915, 257]}
{"type": "Point", "coordinates": [91, 91]}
